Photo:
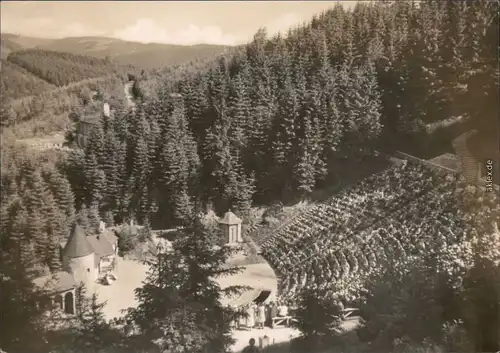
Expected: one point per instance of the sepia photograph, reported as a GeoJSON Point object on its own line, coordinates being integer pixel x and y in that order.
{"type": "Point", "coordinates": [250, 176]}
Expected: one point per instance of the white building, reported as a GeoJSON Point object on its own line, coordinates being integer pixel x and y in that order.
{"type": "Point", "coordinates": [231, 228]}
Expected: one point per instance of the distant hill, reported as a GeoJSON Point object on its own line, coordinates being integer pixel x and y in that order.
{"type": "Point", "coordinates": [148, 56]}
{"type": "Point", "coordinates": [13, 42]}
{"type": "Point", "coordinates": [152, 55]}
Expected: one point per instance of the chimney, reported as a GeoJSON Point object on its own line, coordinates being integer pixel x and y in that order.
{"type": "Point", "coordinates": [131, 222]}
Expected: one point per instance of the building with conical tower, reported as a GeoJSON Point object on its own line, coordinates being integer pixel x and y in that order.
{"type": "Point", "coordinates": [86, 257]}
{"type": "Point", "coordinates": [231, 228]}
{"type": "Point", "coordinates": [78, 257]}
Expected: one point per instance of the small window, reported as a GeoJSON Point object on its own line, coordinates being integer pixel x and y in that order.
{"type": "Point", "coordinates": [88, 269]}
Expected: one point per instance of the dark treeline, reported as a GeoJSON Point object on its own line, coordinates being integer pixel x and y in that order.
{"type": "Point", "coordinates": [279, 117]}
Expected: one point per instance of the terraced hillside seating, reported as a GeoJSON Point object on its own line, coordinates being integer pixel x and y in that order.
{"type": "Point", "coordinates": [335, 245]}
{"type": "Point", "coordinates": [335, 219]}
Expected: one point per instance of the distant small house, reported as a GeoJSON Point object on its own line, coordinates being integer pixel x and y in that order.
{"type": "Point", "coordinates": [83, 128]}
{"type": "Point", "coordinates": [85, 125]}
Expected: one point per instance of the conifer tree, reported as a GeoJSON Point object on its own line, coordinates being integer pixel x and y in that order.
{"type": "Point", "coordinates": [111, 169]}
{"type": "Point", "coordinates": [179, 305]}
{"type": "Point", "coordinates": [64, 197]}
{"type": "Point", "coordinates": [94, 218]}
{"type": "Point", "coordinates": [95, 143]}
{"type": "Point", "coordinates": [93, 334]}
{"type": "Point", "coordinates": [18, 300]}
{"type": "Point", "coordinates": [56, 230]}
{"type": "Point", "coordinates": [74, 171]}
{"type": "Point", "coordinates": [82, 218]}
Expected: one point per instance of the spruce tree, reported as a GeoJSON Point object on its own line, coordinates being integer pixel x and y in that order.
{"type": "Point", "coordinates": [64, 197]}
{"type": "Point", "coordinates": [180, 306]}
{"type": "Point", "coordinates": [93, 333]}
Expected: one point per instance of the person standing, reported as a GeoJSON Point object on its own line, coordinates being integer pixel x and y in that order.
{"type": "Point", "coordinates": [282, 310]}
{"type": "Point", "coordinates": [274, 313]}
{"type": "Point", "coordinates": [251, 316]}
{"type": "Point", "coordinates": [262, 315]}
{"type": "Point", "coordinates": [268, 315]}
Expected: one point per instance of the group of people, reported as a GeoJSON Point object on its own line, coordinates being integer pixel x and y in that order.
{"type": "Point", "coordinates": [259, 315]}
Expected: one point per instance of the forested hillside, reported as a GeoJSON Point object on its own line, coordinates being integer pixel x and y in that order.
{"type": "Point", "coordinates": [281, 116]}
{"type": "Point", "coordinates": [40, 88]}
{"type": "Point", "coordinates": [17, 82]}
{"type": "Point", "coordinates": [48, 112]}
{"type": "Point", "coordinates": [25, 114]}
{"type": "Point", "coordinates": [61, 69]}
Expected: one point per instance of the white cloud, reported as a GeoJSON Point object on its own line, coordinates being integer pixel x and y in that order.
{"type": "Point", "coordinates": [147, 31]}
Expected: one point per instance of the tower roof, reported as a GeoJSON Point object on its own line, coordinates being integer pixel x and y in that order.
{"type": "Point", "coordinates": [77, 244]}
{"type": "Point", "coordinates": [230, 218]}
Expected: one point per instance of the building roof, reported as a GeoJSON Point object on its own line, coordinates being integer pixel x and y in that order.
{"type": "Point", "coordinates": [230, 218]}
{"type": "Point", "coordinates": [101, 244]}
{"type": "Point", "coordinates": [77, 244]}
{"type": "Point", "coordinates": [110, 236]}
{"type": "Point", "coordinates": [56, 282]}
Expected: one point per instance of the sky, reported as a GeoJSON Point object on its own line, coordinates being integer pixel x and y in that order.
{"type": "Point", "coordinates": [173, 22]}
